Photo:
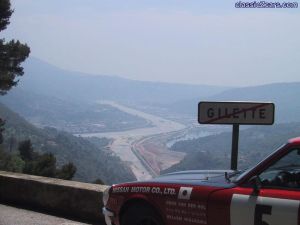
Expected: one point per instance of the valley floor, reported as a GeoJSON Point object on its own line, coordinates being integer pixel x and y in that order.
{"type": "Point", "coordinates": [135, 146]}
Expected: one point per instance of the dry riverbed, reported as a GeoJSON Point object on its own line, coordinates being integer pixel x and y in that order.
{"type": "Point", "coordinates": [125, 141]}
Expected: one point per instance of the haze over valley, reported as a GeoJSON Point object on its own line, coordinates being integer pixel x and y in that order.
{"type": "Point", "coordinates": [133, 129]}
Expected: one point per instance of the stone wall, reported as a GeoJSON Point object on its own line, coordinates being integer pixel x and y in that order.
{"type": "Point", "coordinates": [70, 198]}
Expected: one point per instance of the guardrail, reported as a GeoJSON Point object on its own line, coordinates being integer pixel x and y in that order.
{"type": "Point", "coordinates": [70, 198]}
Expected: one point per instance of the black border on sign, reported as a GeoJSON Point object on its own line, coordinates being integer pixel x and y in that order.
{"type": "Point", "coordinates": [231, 102]}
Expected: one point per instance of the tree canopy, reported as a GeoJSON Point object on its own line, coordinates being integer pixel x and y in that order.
{"type": "Point", "coordinates": [38, 164]}
{"type": "Point", "coordinates": [26, 150]}
{"type": "Point", "coordinates": [12, 53]}
{"type": "Point", "coordinates": [5, 13]}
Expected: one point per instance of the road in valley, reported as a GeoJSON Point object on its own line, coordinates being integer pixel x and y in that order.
{"type": "Point", "coordinates": [127, 144]}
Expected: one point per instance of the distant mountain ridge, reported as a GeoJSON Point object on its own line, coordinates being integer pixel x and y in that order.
{"type": "Point", "coordinates": [284, 95]}
{"type": "Point", "coordinates": [50, 96]}
{"type": "Point", "coordinates": [45, 79]}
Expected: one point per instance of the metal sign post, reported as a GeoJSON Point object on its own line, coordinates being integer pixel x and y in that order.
{"type": "Point", "coordinates": [236, 113]}
{"type": "Point", "coordinates": [235, 146]}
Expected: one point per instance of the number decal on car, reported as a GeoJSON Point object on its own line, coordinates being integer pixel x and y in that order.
{"type": "Point", "coordinates": [260, 210]}
{"type": "Point", "coordinates": [256, 210]}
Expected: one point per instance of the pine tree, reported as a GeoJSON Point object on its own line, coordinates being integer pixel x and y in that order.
{"type": "Point", "coordinates": [45, 165]}
{"type": "Point", "coordinates": [26, 150]}
{"type": "Point", "coordinates": [67, 171]}
{"type": "Point", "coordinates": [5, 13]}
{"type": "Point", "coordinates": [12, 53]}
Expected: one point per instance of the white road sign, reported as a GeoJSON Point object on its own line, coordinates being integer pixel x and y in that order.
{"type": "Point", "coordinates": [251, 113]}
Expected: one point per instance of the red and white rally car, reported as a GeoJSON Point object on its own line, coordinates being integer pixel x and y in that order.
{"type": "Point", "coordinates": [267, 194]}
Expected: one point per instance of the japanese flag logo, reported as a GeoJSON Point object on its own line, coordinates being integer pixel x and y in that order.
{"type": "Point", "coordinates": [185, 193]}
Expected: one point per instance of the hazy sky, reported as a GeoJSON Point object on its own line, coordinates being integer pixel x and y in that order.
{"type": "Point", "coordinates": [183, 41]}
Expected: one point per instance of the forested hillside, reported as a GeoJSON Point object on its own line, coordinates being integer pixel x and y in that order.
{"type": "Point", "coordinates": [93, 160]}
{"type": "Point", "coordinates": [213, 152]}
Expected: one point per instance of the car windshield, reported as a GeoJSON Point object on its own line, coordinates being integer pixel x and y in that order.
{"type": "Point", "coordinates": [238, 175]}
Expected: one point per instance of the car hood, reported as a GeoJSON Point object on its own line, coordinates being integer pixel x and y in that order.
{"type": "Point", "coordinates": [196, 177]}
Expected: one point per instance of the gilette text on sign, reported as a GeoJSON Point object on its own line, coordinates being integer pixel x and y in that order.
{"type": "Point", "coordinates": [259, 113]}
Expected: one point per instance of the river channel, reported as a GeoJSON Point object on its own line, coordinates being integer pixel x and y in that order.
{"type": "Point", "coordinates": [123, 141]}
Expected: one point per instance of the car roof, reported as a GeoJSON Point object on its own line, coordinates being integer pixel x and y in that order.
{"type": "Point", "coordinates": [294, 141]}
